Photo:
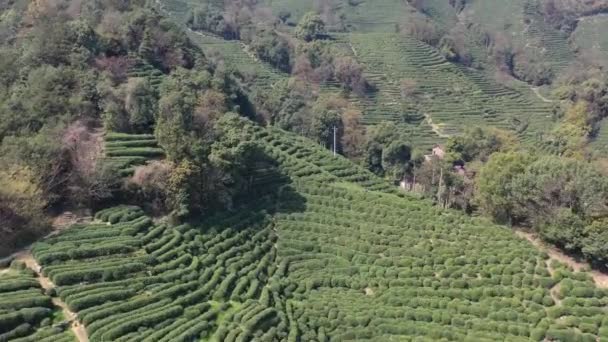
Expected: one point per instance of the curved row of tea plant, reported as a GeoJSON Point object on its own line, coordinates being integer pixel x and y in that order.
{"type": "Point", "coordinates": [125, 151]}
{"type": "Point", "coordinates": [27, 314]}
{"type": "Point", "coordinates": [333, 254]}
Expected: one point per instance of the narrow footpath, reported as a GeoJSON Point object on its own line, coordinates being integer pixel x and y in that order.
{"type": "Point", "coordinates": [600, 279]}
{"type": "Point", "coordinates": [78, 329]}
{"type": "Point", "coordinates": [536, 91]}
{"type": "Point", "coordinates": [25, 256]}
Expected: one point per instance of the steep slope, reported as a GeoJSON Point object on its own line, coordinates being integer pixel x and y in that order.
{"type": "Point", "coordinates": [454, 97]}
{"type": "Point", "coordinates": [326, 252]}
{"type": "Point", "coordinates": [525, 25]}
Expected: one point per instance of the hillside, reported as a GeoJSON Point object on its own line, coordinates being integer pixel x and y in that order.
{"type": "Point", "coordinates": [589, 35]}
{"type": "Point", "coordinates": [286, 170]}
{"type": "Point", "coordinates": [450, 96]}
{"type": "Point", "coordinates": [329, 252]}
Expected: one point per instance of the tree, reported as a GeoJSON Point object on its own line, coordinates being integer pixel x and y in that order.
{"type": "Point", "coordinates": [152, 184]}
{"type": "Point", "coordinates": [572, 133]}
{"type": "Point", "coordinates": [595, 243]}
{"type": "Point", "coordinates": [396, 159]}
{"type": "Point", "coordinates": [494, 192]}
{"type": "Point", "coordinates": [353, 137]}
{"type": "Point", "coordinates": [284, 102]}
{"type": "Point", "coordinates": [233, 157]}
{"type": "Point", "coordinates": [22, 208]}
{"type": "Point", "coordinates": [140, 104]}
{"type": "Point", "coordinates": [322, 126]}
{"type": "Point", "coordinates": [350, 74]}
{"type": "Point", "coordinates": [90, 181]}
{"type": "Point", "coordinates": [173, 124]}
{"type": "Point", "coordinates": [564, 228]}
{"type": "Point", "coordinates": [146, 48]}
{"type": "Point", "coordinates": [479, 143]}
{"type": "Point", "coordinates": [453, 47]}
{"type": "Point", "coordinates": [311, 27]}
{"type": "Point", "coordinates": [183, 190]}
{"type": "Point", "coordinates": [423, 29]}
{"type": "Point", "coordinates": [531, 70]}
{"type": "Point", "coordinates": [273, 49]}
{"type": "Point", "coordinates": [210, 19]}
{"type": "Point", "coordinates": [115, 117]}
{"type": "Point", "coordinates": [503, 51]}
{"type": "Point", "coordinates": [315, 61]}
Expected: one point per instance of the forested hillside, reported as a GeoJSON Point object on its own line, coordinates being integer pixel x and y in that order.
{"type": "Point", "coordinates": [282, 170]}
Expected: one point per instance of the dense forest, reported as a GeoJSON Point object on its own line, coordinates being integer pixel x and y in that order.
{"type": "Point", "coordinates": [303, 170]}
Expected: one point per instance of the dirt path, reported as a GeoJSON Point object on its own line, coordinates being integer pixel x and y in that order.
{"type": "Point", "coordinates": [78, 329]}
{"type": "Point", "coordinates": [600, 279]}
{"type": "Point", "coordinates": [435, 127]}
{"type": "Point", "coordinates": [352, 48]}
{"type": "Point", "coordinates": [60, 222]}
{"type": "Point", "coordinates": [536, 91]}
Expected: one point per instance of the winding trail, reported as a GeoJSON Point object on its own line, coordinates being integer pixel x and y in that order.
{"type": "Point", "coordinates": [435, 127]}
{"type": "Point", "coordinates": [600, 279]}
{"type": "Point", "coordinates": [536, 91]}
{"type": "Point", "coordinates": [78, 329]}
{"type": "Point", "coordinates": [25, 255]}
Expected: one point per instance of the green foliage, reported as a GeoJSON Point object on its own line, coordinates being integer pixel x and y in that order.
{"type": "Point", "coordinates": [396, 158]}
{"type": "Point", "coordinates": [479, 143]}
{"type": "Point", "coordinates": [24, 309]}
{"type": "Point", "coordinates": [210, 19]}
{"type": "Point", "coordinates": [272, 48]}
{"type": "Point", "coordinates": [388, 153]}
{"type": "Point", "coordinates": [495, 194]}
{"type": "Point", "coordinates": [565, 228]}
{"type": "Point", "coordinates": [322, 258]}
{"type": "Point", "coordinates": [561, 197]}
{"type": "Point", "coordinates": [311, 27]}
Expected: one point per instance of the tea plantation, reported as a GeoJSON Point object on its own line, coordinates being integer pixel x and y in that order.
{"type": "Point", "coordinates": [591, 34]}
{"type": "Point", "coordinates": [125, 151]}
{"type": "Point", "coordinates": [327, 252]}
{"type": "Point", "coordinates": [27, 314]}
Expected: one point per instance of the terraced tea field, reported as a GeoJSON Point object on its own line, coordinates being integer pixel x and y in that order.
{"type": "Point", "coordinates": [523, 22]}
{"type": "Point", "coordinates": [331, 254]}
{"type": "Point", "coordinates": [454, 97]}
{"type": "Point", "coordinates": [599, 143]}
{"type": "Point", "coordinates": [234, 55]}
{"type": "Point", "coordinates": [548, 44]}
{"type": "Point", "coordinates": [142, 69]}
{"type": "Point", "coordinates": [360, 15]}
{"type": "Point", "coordinates": [591, 34]}
{"type": "Point", "coordinates": [27, 313]}
{"type": "Point", "coordinates": [125, 151]}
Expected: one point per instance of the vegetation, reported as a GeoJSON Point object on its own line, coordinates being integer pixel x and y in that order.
{"type": "Point", "coordinates": [360, 271]}
{"type": "Point", "coordinates": [26, 312]}
{"type": "Point", "coordinates": [199, 134]}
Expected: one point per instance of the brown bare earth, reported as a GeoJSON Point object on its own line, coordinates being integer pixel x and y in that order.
{"type": "Point", "coordinates": [600, 279]}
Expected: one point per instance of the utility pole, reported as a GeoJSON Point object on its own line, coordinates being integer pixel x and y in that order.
{"type": "Point", "coordinates": [334, 140]}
